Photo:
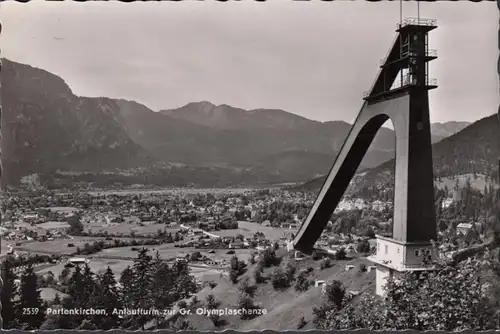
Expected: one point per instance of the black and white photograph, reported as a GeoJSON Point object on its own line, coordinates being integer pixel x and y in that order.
{"type": "Point", "coordinates": [250, 165]}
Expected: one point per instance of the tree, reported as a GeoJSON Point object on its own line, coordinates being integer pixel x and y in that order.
{"type": "Point", "coordinates": [247, 288]}
{"type": "Point", "coordinates": [126, 282]}
{"type": "Point", "coordinates": [196, 256]}
{"type": "Point", "coordinates": [108, 298]}
{"type": "Point", "coordinates": [246, 304]}
{"type": "Point", "coordinates": [213, 304]}
{"type": "Point", "coordinates": [335, 293]}
{"type": "Point", "coordinates": [302, 323]}
{"type": "Point", "coordinates": [76, 226]}
{"type": "Point", "coordinates": [89, 287]}
{"type": "Point", "coordinates": [363, 246]}
{"type": "Point", "coordinates": [302, 283]}
{"type": "Point", "coordinates": [269, 258]}
{"type": "Point", "coordinates": [258, 276]}
{"type": "Point", "coordinates": [451, 298]}
{"type": "Point", "coordinates": [279, 279]}
{"type": "Point", "coordinates": [141, 286]}
{"type": "Point", "coordinates": [31, 308]}
{"type": "Point", "coordinates": [164, 291]}
{"type": "Point", "coordinates": [237, 268]}
{"type": "Point", "coordinates": [56, 300]}
{"type": "Point", "coordinates": [9, 292]}
{"type": "Point", "coordinates": [340, 254]}
{"type": "Point", "coordinates": [76, 299]}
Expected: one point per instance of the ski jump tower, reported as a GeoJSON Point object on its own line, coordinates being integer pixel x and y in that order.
{"type": "Point", "coordinates": [399, 93]}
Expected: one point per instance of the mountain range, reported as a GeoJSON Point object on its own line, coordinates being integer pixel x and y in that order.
{"type": "Point", "coordinates": [475, 149]}
{"type": "Point", "coordinates": [50, 131]}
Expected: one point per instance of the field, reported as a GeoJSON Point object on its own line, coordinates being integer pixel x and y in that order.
{"type": "Point", "coordinates": [49, 294]}
{"type": "Point", "coordinates": [63, 209]}
{"type": "Point", "coordinates": [248, 229]}
{"type": "Point", "coordinates": [125, 228]}
{"type": "Point", "coordinates": [52, 225]}
{"type": "Point", "coordinates": [168, 251]}
{"type": "Point", "coordinates": [57, 246]}
{"type": "Point", "coordinates": [97, 265]}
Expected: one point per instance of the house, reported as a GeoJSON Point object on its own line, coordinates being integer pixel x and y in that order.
{"type": "Point", "coordinates": [320, 284]}
{"type": "Point", "coordinates": [78, 260]}
{"type": "Point", "coordinates": [446, 203]}
{"type": "Point", "coordinates": [298, 256]}
{"type": "Point", "coordinates": [463, 228]}
{"type": "Point", "coordinates": [181, 258]}
{"type": "Point", "coordinates": [236, 244]}
{"type": "Point", "coordinates": [113, 219]}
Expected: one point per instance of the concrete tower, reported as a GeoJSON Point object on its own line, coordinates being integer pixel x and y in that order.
{"type": "Point", "coordinates": [400, 93]}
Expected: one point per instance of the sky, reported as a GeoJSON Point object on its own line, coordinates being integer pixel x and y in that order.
{"type": "Point", "coordinates": [313, 58]}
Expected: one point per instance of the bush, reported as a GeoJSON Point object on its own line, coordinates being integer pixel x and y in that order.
{"type": "Point", "coordinates": [269, 258]}
{"type": "Point", "coordinates": [326, 263]}
{"type": "Point", "coordinates": [247, 288]}
{"type": "Point", "coordinates": [302, 323]}
{"type": "Point", "coordinates": [279, 279]}
{"type": "Point", "coordinates": [195, 256]}
{"type": "Point", "coordinates": [341, 254]}
{"type": "Point", "coordinates": [237, 269]}
{"type": "Point", "coordinates": [258, 276]}
{"type": "Point", "coordinates": [316, 256]}
{"type": "Point", "coordinates": [335, 292]}
{"type": "Point", "coordinates": [245, 302]}
{"type": "Point", "coordinates": [302, 283]}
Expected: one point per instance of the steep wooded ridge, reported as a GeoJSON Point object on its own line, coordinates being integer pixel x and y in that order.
{"type": "Point", "coordinates": [47, 128]}
{"type": "Point", "coordinates": [474, 149]}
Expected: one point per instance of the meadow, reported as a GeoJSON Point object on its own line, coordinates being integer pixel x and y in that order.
{"type": "Point", "coordinates": [248, 229]}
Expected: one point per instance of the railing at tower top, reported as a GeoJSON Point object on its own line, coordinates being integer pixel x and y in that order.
{"type": "Point", "coordinates": [416, 21]}
{"type": "Point", "coordinates": [406, 80]}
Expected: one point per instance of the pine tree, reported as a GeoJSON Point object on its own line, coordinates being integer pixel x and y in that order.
{"type": "Point", "coordinates": [76, 299]}
{"type": "Point", "coordinates": [163, 288]}
{"type": "Point", "coordinates": [143, 281]}
{"type": "Point", "coordinates": [9, 292]}
{"type": "Point", "coordinates": [89, 286]}
{"type": "Point", "coordinates": [106, 297]}
{"type": "Point", "coordinates": [31, 307]}
{"type": "Point", "coordinates": [76, 287]}
{"type": "Point", "coordinates": [213, 304]}
{"type": "Point", "coordinates": [127, 287]}
{"type": "Point", "coordinates": [56, 300]}
{"type": "Point", "coordinates": [185, 284]}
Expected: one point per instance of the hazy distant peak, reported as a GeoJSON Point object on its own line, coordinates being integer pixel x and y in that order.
{"type": "Point", "coordinates": [203, 106]}
{"type": "Point", "coordinates": [446, 129]}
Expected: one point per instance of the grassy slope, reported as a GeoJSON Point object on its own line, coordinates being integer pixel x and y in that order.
{"type": "Point", "coordinates": [284, 308]}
